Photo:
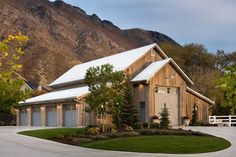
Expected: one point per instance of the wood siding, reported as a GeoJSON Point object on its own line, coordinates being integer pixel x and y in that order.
{"type": "Point", "coordinates": [168, 77]}
{"type": "Point", "coordinates": [143, 62]}
{"type": "Point", "coordinates": [141, 95]}
{"type": "Point", "coordinates": [202, 107]}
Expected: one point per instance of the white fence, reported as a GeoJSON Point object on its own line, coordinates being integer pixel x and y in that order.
{"type": "Point", "coordinates": [223, 120]}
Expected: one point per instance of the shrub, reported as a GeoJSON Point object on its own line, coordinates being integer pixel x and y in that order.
{"type": "Point", "coordinates": [2, 123]}
{"type": "Point", "coordinates": [165, 122]}
{"type": "Point", "coordinates": [94, 131]}
{"type": "Point", "coordinates": [194, 121]}
{"type": "Point", "coordinates": [154, 125]}
{"type": "Point", "coordinates": [145, 125]}
{"type": "Point", "coordinates": [137, 126]}
{"type": "Point", "coordinates": [92, 126]}
{"type": "Point", "coordinates": [123, 134]}
{"type": "Point", "coordinates": [128, 128]}
{"type": "Point", "coordinates": [129, 134]}
{"type": "Point", "coordinates": [147, 131]}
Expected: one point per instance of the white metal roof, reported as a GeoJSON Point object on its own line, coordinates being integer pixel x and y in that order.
{"type": "Point", "coordinates": [200, 96]}
{"type": "Point", "coordinates": [155, 67]}
{"type": "Point", "coordinates": [149, 71]}
{"type": "Point", "coordinates": [120, 61]}
{"type": "Point", "coordinates": [57, 95]}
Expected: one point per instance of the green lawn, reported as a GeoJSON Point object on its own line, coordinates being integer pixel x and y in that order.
{"type": "Point", "coordinates": [174, 144]}
{"type": "Point", "coordinates": [53, 133]}
{"type": "Point", "coordinates": [162, 144]}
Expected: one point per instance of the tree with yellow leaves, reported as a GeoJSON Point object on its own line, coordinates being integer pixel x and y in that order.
{"type": "Point", "coordinates": [10, 82]}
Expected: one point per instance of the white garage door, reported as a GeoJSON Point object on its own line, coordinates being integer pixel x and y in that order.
{"type": "Point", "coordinates": [170, 97]}
{"type": "Point", "coordinates": [23, 117]}
{"type": "Point", "coordinates": [36, 118]}
{"type": "Point", "coordinates": [69, 115]}
{"type": "Point", "coordinates": [51, 115]}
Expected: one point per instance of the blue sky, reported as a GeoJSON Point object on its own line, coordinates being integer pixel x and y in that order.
{"type": "Point", "coordinates": [209, 22]}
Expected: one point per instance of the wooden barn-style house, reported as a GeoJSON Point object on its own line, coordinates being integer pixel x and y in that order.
{"type": "Point", "coordinates": [156, 80]}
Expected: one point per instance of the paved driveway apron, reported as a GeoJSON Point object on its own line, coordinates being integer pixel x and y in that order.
{"type": "Point", "coordinates": [14, 145]}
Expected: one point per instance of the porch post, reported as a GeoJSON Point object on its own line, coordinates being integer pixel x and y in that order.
{"type": "Point", "coordinates": [59, 115]}
{"type": "Point", "coordinates": [29, 116]}
{"type": "Point", "coordinates": [77, 114]}
{"type": "Point", "coordinates": [43, 116]}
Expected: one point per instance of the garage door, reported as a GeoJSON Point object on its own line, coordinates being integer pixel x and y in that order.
{"type": "Point", "coordinates": [36, 116]}
{"type": "Point", "coordinates": [170, 97]}
{"type": "Point", "coordinates": [51, 115]}
{"type": "Point", "coordinates": [69, 115]}
{"type": "Point", "coordinates": [23, 117]}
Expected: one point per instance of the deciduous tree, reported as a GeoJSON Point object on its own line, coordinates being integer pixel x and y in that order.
{"type": "Point", "coordinates": [10, 82]}
{"type": "Point", "coordinates": [107, 91]}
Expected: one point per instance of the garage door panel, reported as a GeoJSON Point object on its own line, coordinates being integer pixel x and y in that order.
{"type": "Point", "coordinates": [51, 116]}
{"type": "Point", "coordinates": [23, 117]}
{"type": "Point", "coordinates": [36, 118]}
{"type": "Point", "coordinates": [69, 115]}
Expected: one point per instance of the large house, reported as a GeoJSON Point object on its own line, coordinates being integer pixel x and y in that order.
{"type": "Point", "coordinates": [156, 80]}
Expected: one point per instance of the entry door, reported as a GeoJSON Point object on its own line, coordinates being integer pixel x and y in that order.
{"type": "Point", "coordinates": [52, 115]}
{"type": "Point", "coordinates": [23, 117]}
{"type": "Point", "coordinates": [142, 111]}
{"type": "Point", "coordinates": [69, 115]}
{"type": "Point", "coordinates": [170, 97]}
{"type": "Point", "coordinates": [36, 118]}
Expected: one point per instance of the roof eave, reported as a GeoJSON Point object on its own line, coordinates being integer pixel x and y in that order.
{"type": "Point", "coordinates": [47, 101]}
{"type": "Point", "coordinates": [200, 96]}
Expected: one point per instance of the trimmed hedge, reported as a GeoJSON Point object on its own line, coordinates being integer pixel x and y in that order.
{"type": "Point", "coordinates": [170, 132]}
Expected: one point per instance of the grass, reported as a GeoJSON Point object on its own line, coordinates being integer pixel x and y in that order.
{"type": "Point", "coordinates": [162, 144]}
{"type": "Point", "coordinates": [173, 144]}
{"type": "Point", "coordinates": [53, 133]}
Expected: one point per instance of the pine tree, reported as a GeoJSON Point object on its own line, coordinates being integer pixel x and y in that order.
{"type": "Point", "coordinates": [194, 116]}
{"type": "Point", "coordinates": [129, 114]}
{"type": "Point", "coordinates": [165, 122]}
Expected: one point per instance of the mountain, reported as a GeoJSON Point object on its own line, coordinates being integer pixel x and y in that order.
{"type": "Point", "coordinates": [62, 35]}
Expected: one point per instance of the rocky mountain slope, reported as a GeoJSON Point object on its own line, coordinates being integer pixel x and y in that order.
{"type": "Point", "coordinates": [62, 35]}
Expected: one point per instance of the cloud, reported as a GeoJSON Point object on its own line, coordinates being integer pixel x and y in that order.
{"type": "Point", "coordinates": [210, 22]}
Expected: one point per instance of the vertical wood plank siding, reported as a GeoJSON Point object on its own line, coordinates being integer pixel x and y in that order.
{"type": "Point", "coordinates": [142, 63]}
{"type": "Point", "coordinates": [168, 77]}
{"type": "Point", "coordinates": [201, 105]}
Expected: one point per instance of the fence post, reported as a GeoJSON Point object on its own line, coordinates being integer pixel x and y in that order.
{"type": "Point", "coordinates": [229, 120]}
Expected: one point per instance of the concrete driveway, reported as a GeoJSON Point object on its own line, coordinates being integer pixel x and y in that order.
{"type": "Point", "coordinates": [14, 145]}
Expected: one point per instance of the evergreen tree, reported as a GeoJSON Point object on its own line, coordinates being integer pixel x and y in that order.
{"type": "Point", "coordinates": [129, 114]}
{"type": "Point", "coordinates": [165, 122]}
{"type": "Point", "coordinates": [194, 116]}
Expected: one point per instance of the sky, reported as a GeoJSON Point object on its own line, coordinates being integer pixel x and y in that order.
{"type": "Point", "coordinates": [208, 22]}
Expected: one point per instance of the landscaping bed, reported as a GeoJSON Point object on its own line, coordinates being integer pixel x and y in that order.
{"type": "Point", "coordinates": [143, 140]}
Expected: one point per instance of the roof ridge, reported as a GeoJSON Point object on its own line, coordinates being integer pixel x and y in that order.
{"type": "Point", "coordinates": [120, 61]}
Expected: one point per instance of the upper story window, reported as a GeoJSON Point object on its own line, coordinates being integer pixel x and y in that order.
{"type": "Point", "coordinates": [152, 52]}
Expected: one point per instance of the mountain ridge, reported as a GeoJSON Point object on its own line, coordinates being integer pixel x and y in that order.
{"type": "Point", "coordinates": [62, 35]}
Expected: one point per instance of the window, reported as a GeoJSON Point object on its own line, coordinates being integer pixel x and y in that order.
{"type": "Point", "coordinates": [152, 53]}
{"type": "Point", "coordinates": [52, 108]}
{"type": "Point", "coordinates": [69, 107]}
{"type": "Point", "coordinates": [36, 109]}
